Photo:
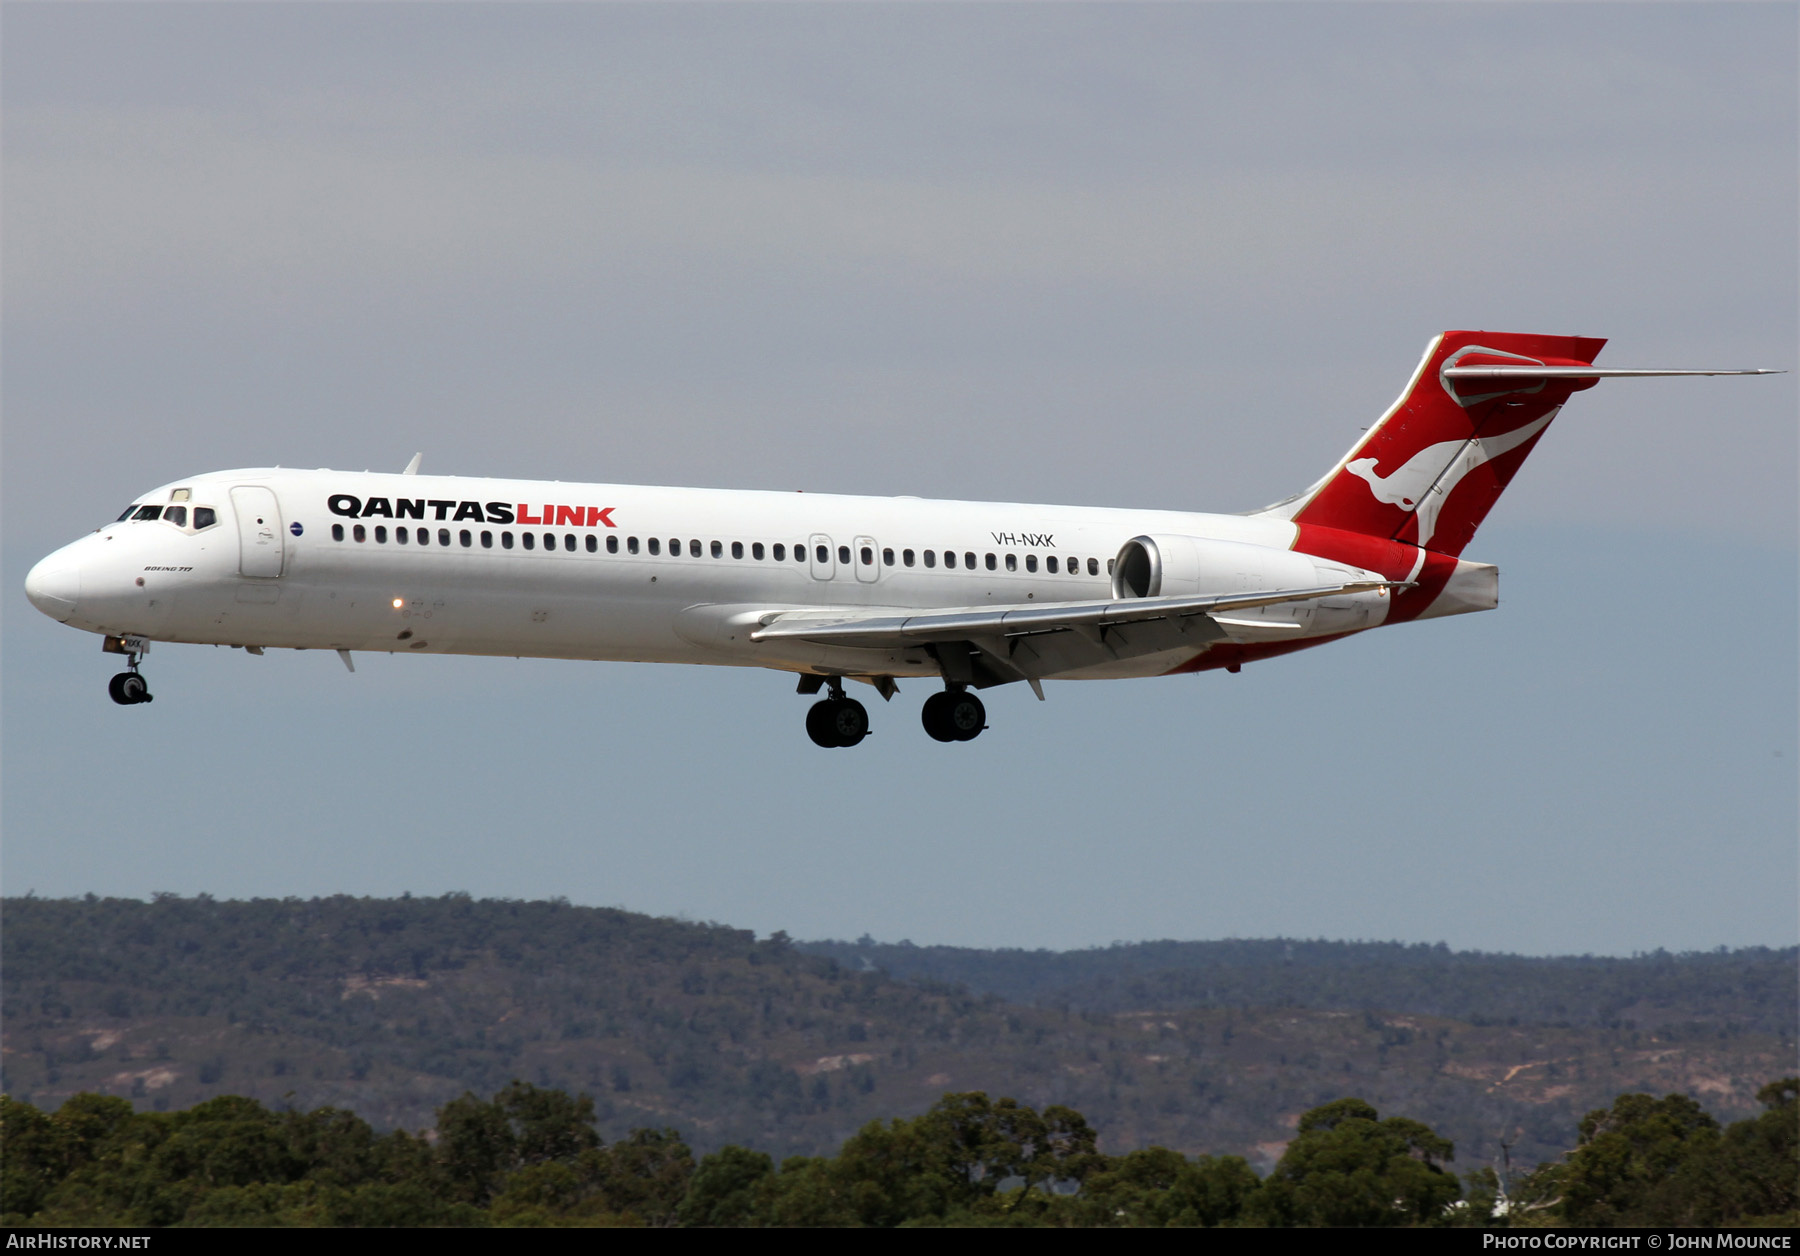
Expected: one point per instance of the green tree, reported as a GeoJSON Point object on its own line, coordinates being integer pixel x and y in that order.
{"type": "Point", "coordinates": [334, 1146]}
{"type": "Point", "coordinates": [1751, 1172]}
{"type": "Point", "coordinates": [121, 1167]}
{"type": "Point", "coordinates": [407, 1204]}
{"type": "Point", "coordinates": [644, 1175]}
{"type": "Point", "coordinates": [475, 1148]}
{"type": "Point", "coordinates": [34, 1159]}
{"type": "Point", "coordinates": [888, 1173]}
{"type": "Point", "coordinates": [104, 1175]}
{"type": "Point", "coordinates": [479, 1143]}
{"type": "Point", "coordinates": [1211, 1191]}
{"type": "Point", "coordinates": [807, 1192]}
{"type": "Point", "coordinates": [547, 1124]}
{"type": "Point", "coordinates": [724, 1188]}
{"type": "Point", "coordinates": [1347, 1167]}
{"type": "Point", "coordinates": [259, 1204]}
{"type": "Point", "coordinates": [1154, 1186]}
{"type": "Point", "coordinates": [1638, 1163]}
{"type": "Point", "coordinates": [1760, 1159]}
{"type": "Point", "coordinates": [540, 1195]}
{"type": "Point", "coordinates": [1130, 1190]}
{"type": "Point", "coordinates": [226, 1141]}
{"type": "Point", "coordinates": [86, 1122]}
{"type": "Point", "coordinates": [949, 1163]}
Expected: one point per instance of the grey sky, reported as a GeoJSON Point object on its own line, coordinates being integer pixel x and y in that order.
{"type": "Point", "coordinates": [1168, 255]}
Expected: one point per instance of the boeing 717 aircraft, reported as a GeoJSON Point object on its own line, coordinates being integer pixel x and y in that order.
{"type": "Point", "coordinates": [964, 595]}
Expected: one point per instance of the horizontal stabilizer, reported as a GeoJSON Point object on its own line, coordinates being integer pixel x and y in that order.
{"type": "Point", "coordinates": [1433, 466]}
{"type": "Point", "coordinates": [1575, 372]}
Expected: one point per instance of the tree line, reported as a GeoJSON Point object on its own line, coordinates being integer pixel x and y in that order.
{"type": "Point", "coordinates": [393, 1007]}
{"type": "Point", "coordinates": [531, 1156]}
{"type": "Point", "coordinates": [1748, 990]}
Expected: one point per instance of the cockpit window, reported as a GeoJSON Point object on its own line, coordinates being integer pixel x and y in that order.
{"type": "Point", "coordinates": [122, 518]}
{"type": "Point", "coordinates": [176, 515]}
{"type": "Point", "coordinates": [148, 512]}
{"type": "Point", "coordinates": [204, 517]}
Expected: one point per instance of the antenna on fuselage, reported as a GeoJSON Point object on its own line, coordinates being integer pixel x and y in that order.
{"type": "Point", "coordinates": [412, 468]}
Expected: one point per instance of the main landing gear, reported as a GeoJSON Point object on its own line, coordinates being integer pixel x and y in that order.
{"type": "Point", "coordinates": [954, 715]}
{"type": "Point", "coordinates": [837, 721]}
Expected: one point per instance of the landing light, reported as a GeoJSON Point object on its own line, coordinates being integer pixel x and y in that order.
{"type": "Point", "coordinates": [399, 602]}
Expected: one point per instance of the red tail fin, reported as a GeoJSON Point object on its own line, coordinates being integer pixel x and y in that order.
{"type": "Point", "coordinates": [1432, 468]}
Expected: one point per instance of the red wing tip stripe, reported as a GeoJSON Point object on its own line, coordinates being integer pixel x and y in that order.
{"type": "Point", "coordinates": [1574, 372]}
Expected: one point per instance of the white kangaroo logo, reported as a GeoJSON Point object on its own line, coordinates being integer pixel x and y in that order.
{"type": "Point", "coordinates": [1425, 480]}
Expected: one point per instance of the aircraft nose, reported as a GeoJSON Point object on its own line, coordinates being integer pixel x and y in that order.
{"type": "Point", "coordinates": [54, 587]}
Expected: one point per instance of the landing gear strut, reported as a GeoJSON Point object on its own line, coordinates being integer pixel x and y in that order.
{"type": "Point", "coordinates": [837, 721]}
{"type": "Point", "coordinates": [954, 715]}
{"type": "Point", "coordinates": [127, 688]}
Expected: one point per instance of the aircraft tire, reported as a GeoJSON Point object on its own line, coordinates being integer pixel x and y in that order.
{"type": "Point", "coordinates": [965, 715]}
{"type": "Point", "coordinates": [819, 724]}
{"type": "Point", "coordinates": [849, 721]}
{"type": "Point", "coordinates": [936, 718]}
{"type": "Point", "coordinates": [128, 689]}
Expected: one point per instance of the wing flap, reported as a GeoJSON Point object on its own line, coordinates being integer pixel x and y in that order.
{"type": "Point", "coordinates": [1189, 619]}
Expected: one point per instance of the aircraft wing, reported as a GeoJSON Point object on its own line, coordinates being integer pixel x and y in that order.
{"type": "Point", "coordinates": [1024, 641]}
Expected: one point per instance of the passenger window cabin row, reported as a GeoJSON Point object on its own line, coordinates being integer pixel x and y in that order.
{"type": "Point", "coordinates": [778, 552]}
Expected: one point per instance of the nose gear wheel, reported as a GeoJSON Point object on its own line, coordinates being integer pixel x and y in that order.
{"type": "Point", "coordinates": [128, 689]}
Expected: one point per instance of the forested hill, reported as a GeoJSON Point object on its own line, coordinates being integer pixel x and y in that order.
{"type": "Point", "coordinates": [393, 1007]}
{"type": "Point", "coordinates": [1756, 988]}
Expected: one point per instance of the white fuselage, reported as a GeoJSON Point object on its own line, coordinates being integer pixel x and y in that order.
{"type": "Point", "coordinates": [604, 580]}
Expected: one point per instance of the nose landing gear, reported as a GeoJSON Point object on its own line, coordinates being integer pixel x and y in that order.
{"type": "Point", "coordinates": [954, 715]}
{"type": "Point", "coordinates": [837, 721]}
{"type": "Point", "coordinates": [128, 688]}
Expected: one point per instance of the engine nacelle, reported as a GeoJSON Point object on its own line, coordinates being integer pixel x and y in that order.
{"type": "Point", "coordinates": [1190, 566]}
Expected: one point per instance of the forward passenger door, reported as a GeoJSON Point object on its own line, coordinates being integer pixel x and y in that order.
{"type": "Point", "coordinates": [260, 549]}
